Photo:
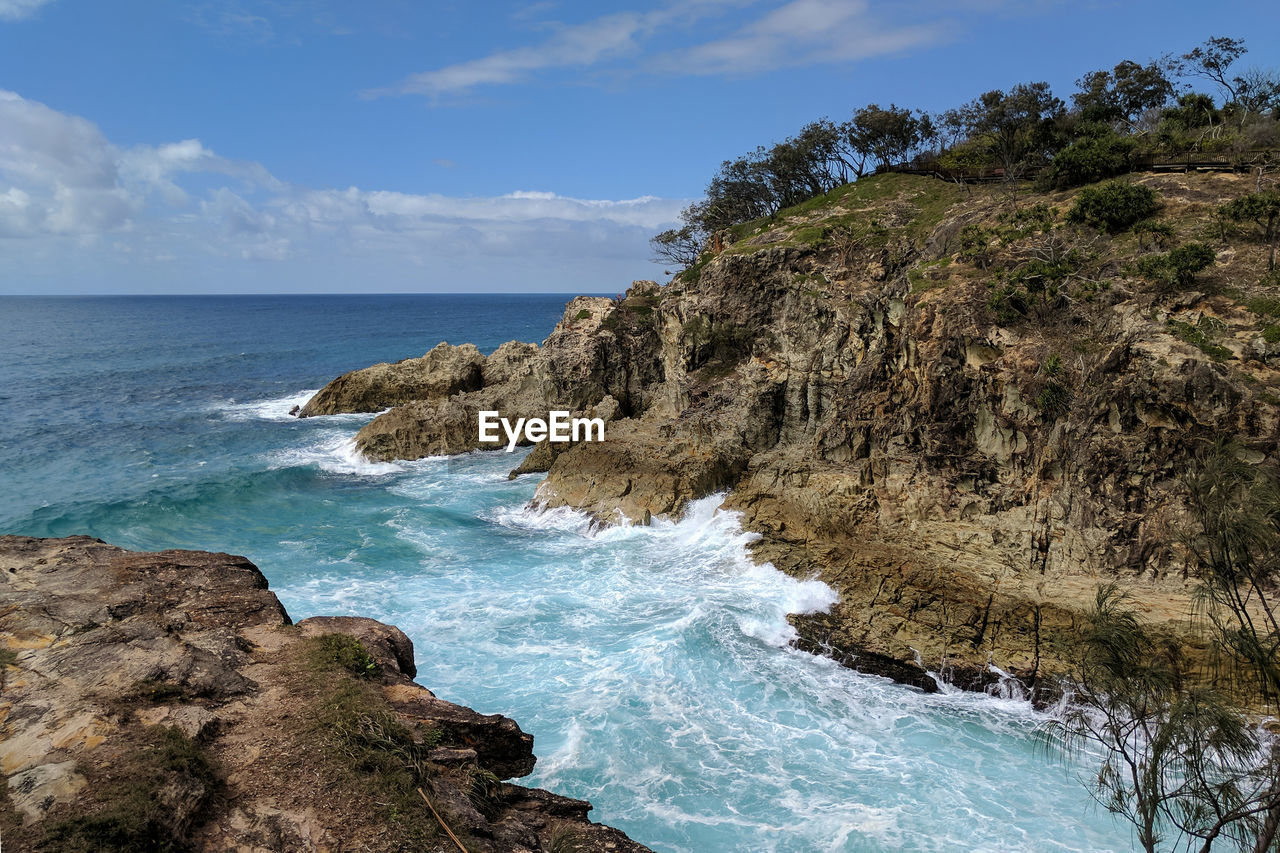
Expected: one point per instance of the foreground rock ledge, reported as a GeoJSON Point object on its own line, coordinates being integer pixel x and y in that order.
{"type": "Point", "coordinates": [113, 659]}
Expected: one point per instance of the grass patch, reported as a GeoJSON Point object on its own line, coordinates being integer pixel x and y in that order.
{"type": "Point", "coordinates": [8, 658]}
{"type": "Point", "coordinates": [138, 813]}
{"type": "Point", "coordinates": [159, 692]}
{"type": "Point", "coordinates": [1200, 339]}
{"type": "Point", "coordinates": [1054, 399]}
{"type": "Point", "coordinates": [850, 205]}
{"type": "Point", "coordinates": [344, 652]}
{"type": "Point", "coordinates": [584, 314]}
{"type": "Point", "coordinates": [692, 273]}
{"type": "Point", "coordinates": [365, 744]}
{"type": "Point", "coordinates": [920, 278]}
{"type": "Point", "coordinates": [810, 235]}
{"type": "Point", "coordinates": [1264, 306]}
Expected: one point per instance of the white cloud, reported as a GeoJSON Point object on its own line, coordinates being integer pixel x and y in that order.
{"type": "Point", "coordinates": [60, 172]}
{"type": "Point", "coordinates": [581, 45]}
{"type": "Point", "coordinates": [794, 33]}
{"type": "Point", "coordinates": [801, 32]}
{"type": "Point", "coordinates": [15, 9]}
{"type": "Point", "coordinates": [69, 198]}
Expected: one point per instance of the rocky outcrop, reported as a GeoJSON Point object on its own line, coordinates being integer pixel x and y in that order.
{"type": "Point", "coordinates": [444, 371]}
{"type": "Point", "coordinates": [165, 698]}
{"type": "Point", "coordinates": [962, 454]}
{"type": "Point", "coordinates": [599, 351]}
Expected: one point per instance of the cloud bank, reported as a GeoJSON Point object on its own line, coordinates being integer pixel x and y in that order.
{"type": "Point", "coordinates": [74, 207]}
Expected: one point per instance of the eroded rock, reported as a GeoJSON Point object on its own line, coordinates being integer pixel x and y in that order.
{"type": "Point", "coordinates": [167, 695]}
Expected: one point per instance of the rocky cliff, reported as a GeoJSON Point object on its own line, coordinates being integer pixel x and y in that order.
{"type": "Point", "coordinates": [164, 701]}
{"type": "Point", "coordinates": [956, 406]}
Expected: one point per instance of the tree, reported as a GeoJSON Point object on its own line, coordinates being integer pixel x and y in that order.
{"type": "Point", "coordinates": [1180, 765]}
{"type": "Point", "coordinates": [678, 245]}
{"type": "Point", "coordinates": [1263, 209]}
{"type": "Point", "coordinates": [1213, 60]}
{"type": "Point", "coordinates": [1016, 127]}
{"type": "Point", "coordinates": [888, 136]}
{"type": "Point", "coordinates": [739, 192]}
{"type": "Point", "coordinates": [1259, 92]}
{"type": "Point", "coordinates": [1123, 94]}
{"type": "Point", "coordinates": [1184, 765]}
{"type": "Point", "coordinates": [801, 166]}
{"type": "Point", "coordinates": [1193, 110]}
{"type": "Point", "coordinates": [828, 146]}
{"type": "Point", "coordinates": [951, 127]}
{"type": "Point", "coordinates": [1236, 557]}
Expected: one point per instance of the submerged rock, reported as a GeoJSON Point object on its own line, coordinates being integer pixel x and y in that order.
{"type": "Point", "coordinates": [165, 699]}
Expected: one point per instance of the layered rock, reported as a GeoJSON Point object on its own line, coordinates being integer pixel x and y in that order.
{"type": "Point", "coordinates": [444, 371]}
{"type": "Point", "coordinates": [167, 697]}
{"type": "Point", "coordinates": [964, 478]}
{"type": "Point", "coordinates": [598, 350]}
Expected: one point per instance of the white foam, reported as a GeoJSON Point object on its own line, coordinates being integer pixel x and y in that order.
{"type": "Point", "coordinates": [334, 455]}
{"type": "Point", "coordinates": [704, 525]}
{"type": "Point", "coordinates": [274, 409]}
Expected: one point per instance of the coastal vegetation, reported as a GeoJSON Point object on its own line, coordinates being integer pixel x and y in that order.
{"type": "Point", "coordinates": [1188, 760]}
{"type": "Point", "coordinates": [1131, 116]}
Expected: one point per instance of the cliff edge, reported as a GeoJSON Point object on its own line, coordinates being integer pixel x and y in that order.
{"type": "Point", "coordinates": [164, 701]}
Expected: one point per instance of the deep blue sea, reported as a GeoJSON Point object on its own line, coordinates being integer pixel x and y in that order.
{"type": "Point", "coordinates": [651, 664]}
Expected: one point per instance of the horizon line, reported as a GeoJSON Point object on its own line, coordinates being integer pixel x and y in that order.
{"type": "Point", "coordinates": [318, 293]}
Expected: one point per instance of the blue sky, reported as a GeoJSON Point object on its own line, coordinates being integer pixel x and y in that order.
{"type": "Point", "coordinates": [392, 145]}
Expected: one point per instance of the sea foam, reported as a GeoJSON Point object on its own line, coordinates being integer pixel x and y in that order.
{"type": "Point", "coordinates": [273, 409]}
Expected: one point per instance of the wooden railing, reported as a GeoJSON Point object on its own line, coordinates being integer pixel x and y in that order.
{"type": "Point", "coordinates": [1245, 161]}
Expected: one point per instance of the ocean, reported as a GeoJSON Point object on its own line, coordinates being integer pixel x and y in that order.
{"type": "Point", "coordinates": [651, 664]}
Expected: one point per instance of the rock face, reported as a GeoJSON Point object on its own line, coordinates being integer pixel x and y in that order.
{"type": "Point", "coordinates": [444, 371]}
{"type": "Point", "coordinates": [598, 355]}
{"type": "Point", "coordinates": [167, 697]}
{"type": "Point", "coordinates": [963, 470]}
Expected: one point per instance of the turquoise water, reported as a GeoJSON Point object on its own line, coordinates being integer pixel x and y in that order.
{"type": "Point", "coordinates": [651, 664]}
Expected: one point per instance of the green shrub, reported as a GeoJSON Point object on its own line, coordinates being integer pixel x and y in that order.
{"type": "Point", "coordinates": [1271, 334]}
{"type": "Point", "coordinates": [8, 658]}
{"type": "Point", "coordinates": [1263, 209]}
{"type": "Point", "coordinates": [1159, 232]}
{"type": "Point", "coordinates": [583, 314]}
{"type": "Point", "coordinates": [1177, 269]}
{"type": "Point", "coordinates": [1025, 221]}
{"type": "Point", "coordinates": [346, 652]}
{"type": "Point", "coordinates": [1113, 206]}
{"type": "Point", "coordinates": [1053, 399]}
{"type": "Point", "coordinates": [1035, 287]}
{"type": "Point", "coordinates": [974, 246]}
{"type": "Point", "coordinates": [1008, 304]}
{"type": "Point", "coordinates": [1101, 154]}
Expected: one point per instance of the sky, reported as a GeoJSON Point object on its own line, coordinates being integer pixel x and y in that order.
{"type": "Point", "coordinates": [308, 146]}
